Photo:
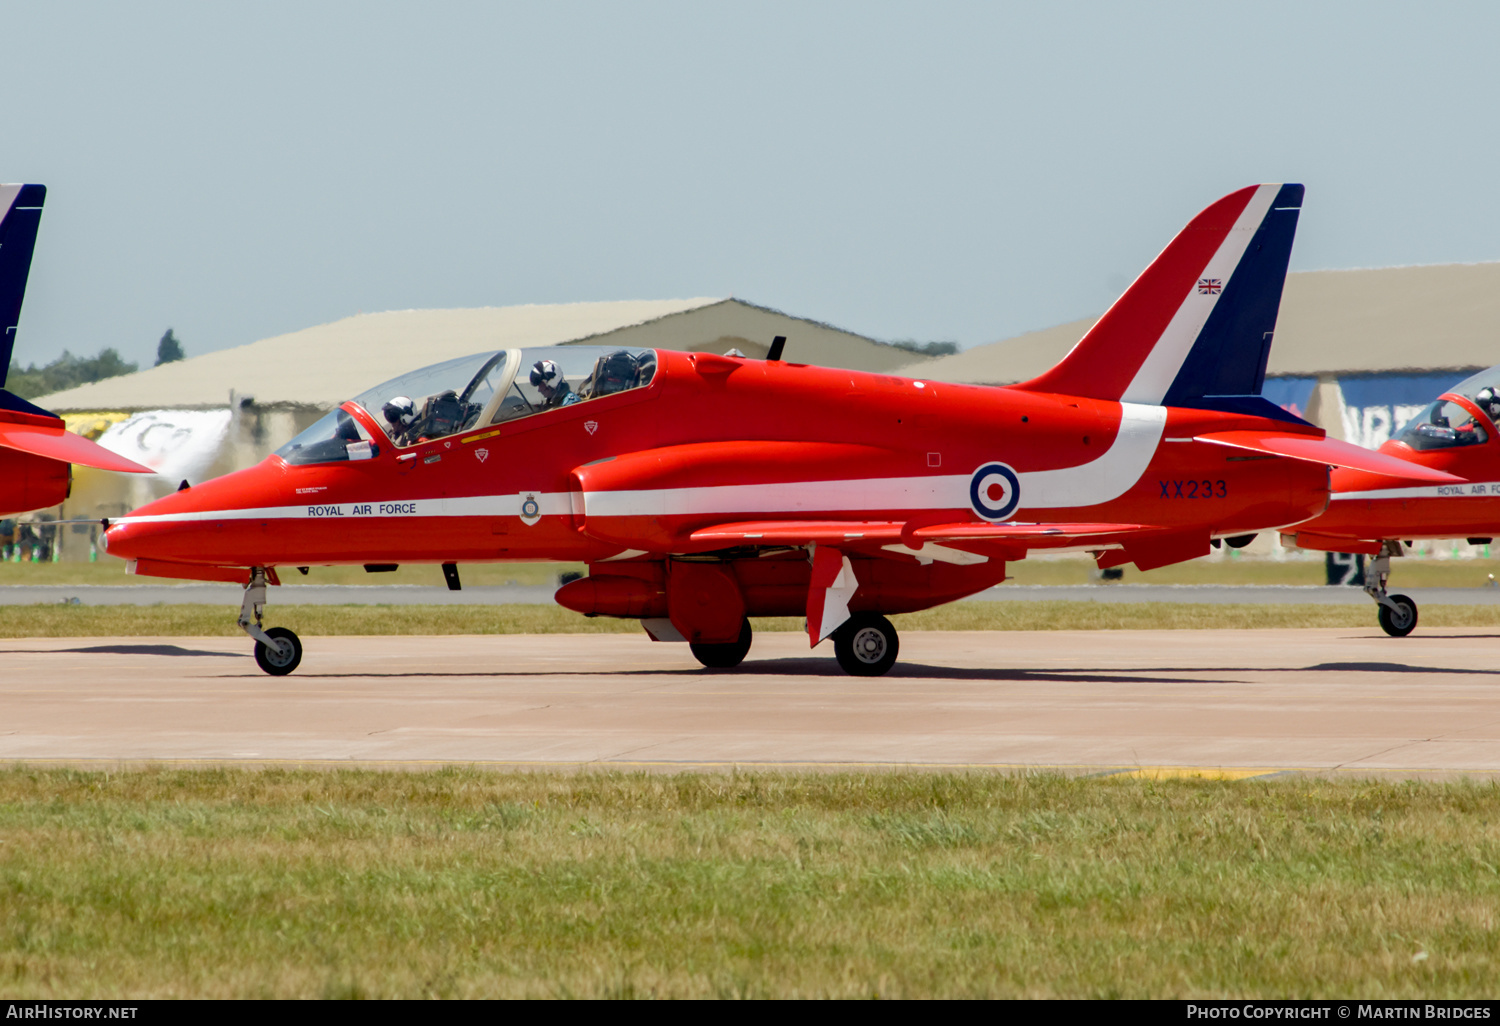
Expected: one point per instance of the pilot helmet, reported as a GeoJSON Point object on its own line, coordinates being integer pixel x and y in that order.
{"type": "Point", "coordinates": [400, 411]}
{"type": "Point", "coordinates": [546, 376]}
{"type": "Point", "coordinates": [1488, 401]}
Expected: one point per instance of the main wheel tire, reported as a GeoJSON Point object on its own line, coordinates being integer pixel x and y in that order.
{"type": "Point", "coordinates": [724, 655]}
{"type": "Point", "coordinates": [279, 662]}
{"type": "Point", "coordinates": [1399, 622]}
{"type": "Point", "coordinates": [867, 645]}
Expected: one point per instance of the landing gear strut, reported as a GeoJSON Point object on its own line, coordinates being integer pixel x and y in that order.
{"type": "Point", "coordinates": [1397, 613]}
{"type": "Point", "coordinates": [278, 650]}
{"type": "Point", "coordinates": [866, 645]}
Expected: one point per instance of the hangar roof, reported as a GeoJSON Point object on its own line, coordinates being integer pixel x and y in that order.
{"type": "Point", "coordinates": [323, 365]}
{"type": "Point", "coordinates": [1441, 317]}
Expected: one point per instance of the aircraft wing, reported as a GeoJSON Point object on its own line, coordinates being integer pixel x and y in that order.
{"type": "Point", "coordinates": [58, 443]}
{"type": "Point", "coordinates": [1146, 545]}
{"type": "Point", "coordinates": [1329, 451]}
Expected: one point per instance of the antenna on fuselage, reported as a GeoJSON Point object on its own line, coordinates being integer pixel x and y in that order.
{"type": "Point", "coordinates": [777, 345]}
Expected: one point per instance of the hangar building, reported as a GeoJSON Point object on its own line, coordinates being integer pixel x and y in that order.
{"type": "Point", "coordinates": [1356, 352]}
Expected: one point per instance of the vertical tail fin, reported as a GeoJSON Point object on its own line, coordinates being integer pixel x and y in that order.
{"type": "Point", "coordinates": [20, 213]}
{"type": "Point", "coordinates": [1195, 328]}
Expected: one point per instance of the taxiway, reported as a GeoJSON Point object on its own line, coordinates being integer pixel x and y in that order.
{"type": "Point", "coordinates": [1237, 702]}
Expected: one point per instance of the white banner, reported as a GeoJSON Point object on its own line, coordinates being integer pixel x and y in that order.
{"type": "Point", "coordinates": [177, 444]}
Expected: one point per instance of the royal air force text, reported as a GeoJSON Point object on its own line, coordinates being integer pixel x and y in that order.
{"type": "Point", "coordinates": [365, 509]}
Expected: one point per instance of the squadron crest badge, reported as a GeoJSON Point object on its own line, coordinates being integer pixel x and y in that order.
{"type": "Point", "coordinates": [531, 508]}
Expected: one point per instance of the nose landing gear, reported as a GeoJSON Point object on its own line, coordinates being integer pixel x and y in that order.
{"type": "Point", "coordinates": [1397, 613]}
{"type": "Point", "coordinates": [278, 650]}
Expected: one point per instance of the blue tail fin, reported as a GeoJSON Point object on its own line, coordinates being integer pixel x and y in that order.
{"type": "Point", "coordinates": [1226, 367]}
{"type": "Point", "coordinates": [20, 213]}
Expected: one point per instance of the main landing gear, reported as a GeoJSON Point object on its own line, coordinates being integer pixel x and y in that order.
{"type": "Point", "coordinates": [278, 650]}
{"type": "Point", "coordinates": [1397, 613]}
{"type": "Point", "coordinates": [724, 655]}
{"type": "Point", "coordinates": [866, 645]}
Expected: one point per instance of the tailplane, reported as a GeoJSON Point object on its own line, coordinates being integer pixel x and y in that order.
{"type": "Point", "coordinates": [1195, 328]}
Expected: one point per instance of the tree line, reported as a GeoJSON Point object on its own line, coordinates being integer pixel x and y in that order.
{"type": "Point", "coordinates": [69, 371]}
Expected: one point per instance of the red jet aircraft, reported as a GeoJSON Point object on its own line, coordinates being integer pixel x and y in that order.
{"type": "Point", "coordinates": [1370, 514]}
{"type": "Point", "coordinates": [36, 450]}
{"type": "Point", "coordinates": [702, 489]}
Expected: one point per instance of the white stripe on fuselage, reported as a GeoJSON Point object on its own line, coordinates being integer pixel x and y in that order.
{"type": "Point", "coordinates": [1113, 474]}
{"type": "Point", "coordinates": [1159, 369]}
{"type": "Point", "coordinates": [1465, 490]}
{"type": "Point", "coordinates": [552, 504]}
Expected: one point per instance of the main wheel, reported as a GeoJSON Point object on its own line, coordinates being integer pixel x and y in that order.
{"type": "Point", "coordinates": [1402, 620]}
{"type": "Point", "coordinates": [724, 655]}
{"type": "Point", "coordinates": [279, 662]}
{"type": "Point", "coordinates": [866, 646]}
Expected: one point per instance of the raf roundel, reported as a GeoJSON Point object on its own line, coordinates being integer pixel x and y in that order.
{"type": "Point", "coordinates": [995, 491]}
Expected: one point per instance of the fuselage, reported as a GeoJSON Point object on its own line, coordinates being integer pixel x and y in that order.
{"type": "Point", "coordinates": [712, 439]}
{"type": "Point", "coordinates": [1455, 435]}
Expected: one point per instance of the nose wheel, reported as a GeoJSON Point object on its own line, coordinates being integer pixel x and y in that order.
{"type": "Point", "coordinates": [866, 645]}
{"type": "Point", "coordinates": [1397, 613]}
{"type": "Point", "coordinates": [1398, 616]}
{"type": "Point", "coordinates": [278, 650]}
{"type": "Point", "coordinates": [284, 657]}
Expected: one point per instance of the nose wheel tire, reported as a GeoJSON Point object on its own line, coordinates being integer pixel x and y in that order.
{"type": "Point", "coordinates": [725, 655]}
{"type": "Point", "coordinates": [1402, 620]}
{"type": "Point", "coordinates": [866, 646]}
{"type": "Point", "coordinates": [280, 661]}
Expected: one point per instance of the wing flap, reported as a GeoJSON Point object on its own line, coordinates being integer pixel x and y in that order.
{"type": "Point", "coordinates": [57, 443]}
{"type": "Point", "coordinates": [1329, 451]}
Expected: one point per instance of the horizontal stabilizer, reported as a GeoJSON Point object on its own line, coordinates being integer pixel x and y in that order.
{"type": "Point", "coordinates": [1329, 451]}
{"type": "Point", "coordinates": [57, 443]}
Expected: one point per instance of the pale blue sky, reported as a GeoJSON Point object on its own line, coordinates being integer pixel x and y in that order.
{"type": "Point", "coordinates": [959, 171]}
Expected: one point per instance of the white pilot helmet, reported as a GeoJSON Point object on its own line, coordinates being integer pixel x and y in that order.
{"type": "Point", "coordinates": [399, 411]}
{"type": "Point", "coordinates": [545, 372]}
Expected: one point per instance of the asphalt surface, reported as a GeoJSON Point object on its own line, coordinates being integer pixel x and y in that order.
{"type": "Point", "coordinates": [1227, 703]}
{"type": "Point", "coordinates": [541, 594]}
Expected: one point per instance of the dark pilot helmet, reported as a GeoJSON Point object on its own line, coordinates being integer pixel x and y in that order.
{"type": "Point", "coordinates": [617, 371]}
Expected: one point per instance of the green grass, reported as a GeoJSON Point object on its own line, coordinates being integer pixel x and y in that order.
{"type": "Point", "coordinates": [59, 621]}
{"type": "Point", "coordinates": [462, 883]}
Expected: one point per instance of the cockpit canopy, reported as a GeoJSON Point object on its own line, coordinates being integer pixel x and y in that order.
{"type": "Point", "coordinates": [473, 391]}
{"type": "Point", "coordinates": [1446, 424]}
